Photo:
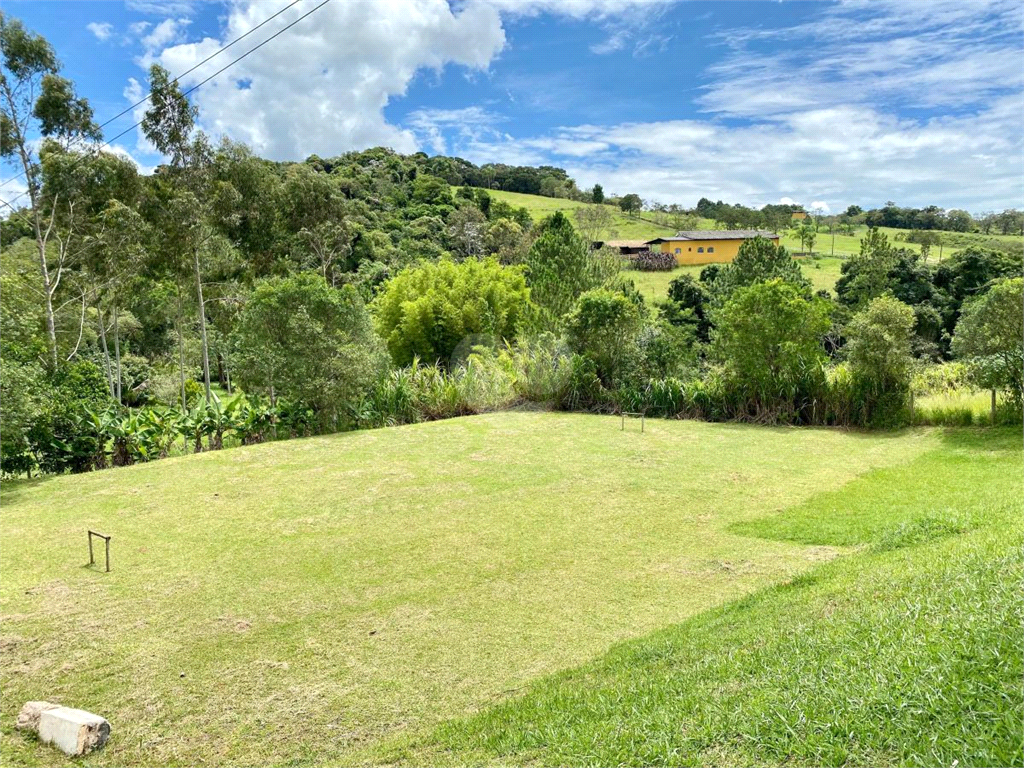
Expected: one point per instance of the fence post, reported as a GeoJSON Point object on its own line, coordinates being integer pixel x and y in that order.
{"type": "Point", "coordinates": [911, 406]}
{"type": "Point", "coordinates": [993, 407]}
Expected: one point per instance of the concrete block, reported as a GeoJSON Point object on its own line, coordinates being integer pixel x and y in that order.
{"type": "Point", "coordinates": [73, 731]}
{"type": "Point", "coordinates": [28, 718]}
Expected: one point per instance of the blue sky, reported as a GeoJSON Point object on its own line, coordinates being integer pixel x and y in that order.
{"type": "Point", "coordinates": [825, 104]}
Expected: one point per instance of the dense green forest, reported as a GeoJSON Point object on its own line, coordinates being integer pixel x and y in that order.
{"type": "Point", "coordinates": [376, 288]}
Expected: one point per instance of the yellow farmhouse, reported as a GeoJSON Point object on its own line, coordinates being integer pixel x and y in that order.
{"type": "Point", "coordinates": [707, 246]}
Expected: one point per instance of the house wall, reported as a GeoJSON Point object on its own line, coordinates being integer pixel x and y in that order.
{"type": "Point", "coordinates": [798, 215]}
{"type": "Point", "coordinates": [696, 251]}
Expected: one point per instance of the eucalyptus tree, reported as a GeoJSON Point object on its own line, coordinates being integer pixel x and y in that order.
{"type": "Point", "coordinates": [118, 252]}
{"type": "Point", "coordinates": [169, 124]}
{"type": "Point", "coordinates": [37, 102]}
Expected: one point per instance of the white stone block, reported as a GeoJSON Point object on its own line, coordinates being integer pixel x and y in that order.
{"type": "Point", "coordinates": [28, 718]}
{"type": "Point", "coordinates": [73, 731]}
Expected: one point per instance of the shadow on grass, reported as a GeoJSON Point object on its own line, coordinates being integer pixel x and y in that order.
{"type": "Point", "coordinates": [925, 498]}
{"type": "Point", "coordinates": [984, 439]}
{"type": "Point", "coordinates": [11, 489]}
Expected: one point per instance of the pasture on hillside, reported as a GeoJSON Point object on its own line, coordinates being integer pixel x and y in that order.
{"type": "Point", "coordinates": [842, 245]}
{"type": "Point", "coordinates": [335, 600]}
{"type": "Point", "coordinates": [624, 227]}
{"type": "Point", "coordinates": [822, 272]}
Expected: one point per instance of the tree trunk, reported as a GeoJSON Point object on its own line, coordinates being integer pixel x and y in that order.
{"type": "Point", "coordinates": [51, 329]}
{"type": "Point", "coordinates": [202, 324]}
{"type": "Point", "coordinates": [106, 353]}
{"type": "Point", "coordinates": [181, 354]}
{"type": "Point", "coordinates": [117, 354]}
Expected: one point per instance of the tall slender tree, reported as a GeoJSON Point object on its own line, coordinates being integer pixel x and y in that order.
{"type": "Point", "coordinates": [169, 124]}
{"type": "Point", "coordinates": [36, 101]}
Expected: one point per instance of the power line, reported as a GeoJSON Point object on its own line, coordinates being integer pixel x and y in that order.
{"type": "Point", "coordinates": [216, 53]}
{"type": "Point", "coordinates": [194, 88]}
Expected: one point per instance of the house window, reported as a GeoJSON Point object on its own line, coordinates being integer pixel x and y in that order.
{"type": "Point", "coordinates": [679, 250]}
{"type": "Point", "coordinates": [701, 249]}
{"type": "Point", "coordinates": [711, 249]}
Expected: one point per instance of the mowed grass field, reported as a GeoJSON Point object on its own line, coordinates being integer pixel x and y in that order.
{"type": "Point", "coordinates": [822, 272]}
{"type": "Point", "coordinates": [354, 598]}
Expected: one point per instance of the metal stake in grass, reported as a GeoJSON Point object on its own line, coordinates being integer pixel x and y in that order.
{"type": "Point", "coordinates": [106, 540]}
{"type": "Point", "coordinates": [624, 414]}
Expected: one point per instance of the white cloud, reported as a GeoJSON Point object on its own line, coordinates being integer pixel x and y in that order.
{"type": "Point", "coordinates": [167, 31]}
{"type": "Point", "coordinates": [163, 7]}
{"type": "Point", "coordinates": [945, 53]}
{"type": "Point", "coordinates": [102, 30]}
{"type": "Point", "coordinates": [871, 101]}
{"type": "Point", "coordinates": [471, 123]}
{"type": "Point", "coordinates": [810, 112]}
{"type": "Point", "coordinates": [322, 86]}
{"type": "Point", "coordinates": [818, 205]}
{"type": "Point", "coordinates": [615, 42]}
{"type": "Point", "coordinates": [866, 156]}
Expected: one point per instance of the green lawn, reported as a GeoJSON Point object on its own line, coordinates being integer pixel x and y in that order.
{"type": "Point", "coordinates": [905, 653]}
{"type": "Point", "coordinates": [333, 600]}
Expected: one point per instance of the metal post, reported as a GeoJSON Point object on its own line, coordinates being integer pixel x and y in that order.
{"type": "Point", "coordinates": [993, 407]}
{"type": "Point", "coordinates": [623, 427]}
{"type": "Point", "coordinates": [106, 540]}
{"type": "Point", "coordinates": [642, 422]}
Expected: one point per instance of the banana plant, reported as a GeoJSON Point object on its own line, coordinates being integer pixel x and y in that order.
{"type": "Point", "coordinates": [219, 419]}
{"type": "Point", "coordinates": [161, 430]}
{"type": "Point", "coordinates": [297, 419]}
{"type": "Point", "coordinates": [95, 423]}
{"type": "Point", "coordinates": [254, 420]}
{"type": "Point", "coordinates": [194, 426]}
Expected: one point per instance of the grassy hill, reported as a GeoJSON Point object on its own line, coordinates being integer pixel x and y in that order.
{"type": "Point", "coordinates": [623, 228]}
{"type": "Point", "coordinates": [334, 600]}
{"type": "Point", "coordinates": [822, 271]}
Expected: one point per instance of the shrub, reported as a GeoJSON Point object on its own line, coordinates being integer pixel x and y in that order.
{"type": "Point", "coordinates": [429, 392]}
{"type": "Point", "coordinates": [583, 390]}
{"type": "Point", "coordinates": [768, 337]}
{"type": "Point", "coordinates": [758, 260]}
{"type": "Point", "coordinates": [881, 364]}
{"type": "Point", "coordinates": [427, 312]}
{"type": "Point", "coordinates": [603, 327]}
{"type": "Point", "coordinates": [689, 303]}
{"type": "Point", "coordinates": [990, 337]}
{"type": "Point", "coordinates": [60, 437]}
{"type": "Point", "coordinates": [540, 369]}
{"type": "Point", "coordinates": [941, 379]}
